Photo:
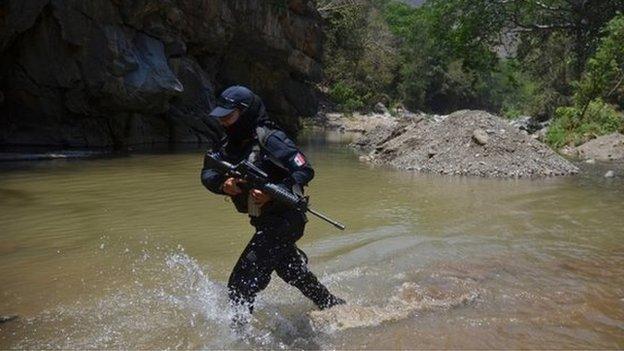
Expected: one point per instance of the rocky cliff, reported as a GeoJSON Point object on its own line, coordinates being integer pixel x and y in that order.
{"type": "Point", "coordinates": [104, 73]}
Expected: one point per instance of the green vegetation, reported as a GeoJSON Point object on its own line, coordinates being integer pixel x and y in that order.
{"type": "Point", "coordinates": [571, 126]}
{"type": "Point", "coordinates": [560, 59]}
{"type": "Point", "coordinates": [361, 57]}
{"type": "Point", "coordinates": [598, 95]}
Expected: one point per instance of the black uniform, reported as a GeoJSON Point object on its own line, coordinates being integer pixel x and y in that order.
{"type": "Point", "coordinates": [278, 228]}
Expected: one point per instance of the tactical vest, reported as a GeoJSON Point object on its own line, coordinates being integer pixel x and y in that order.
{"type": "Point", "coordinates": [259, 146]}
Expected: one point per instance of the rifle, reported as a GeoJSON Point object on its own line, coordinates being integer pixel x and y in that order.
{"type": "Point", "coordinates": [258, 179]}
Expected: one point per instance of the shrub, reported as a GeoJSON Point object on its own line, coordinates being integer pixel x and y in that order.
{"type": "Point", "coordinates": [346, 97]}
{"type": "Point", "coordinates": [571, 128]}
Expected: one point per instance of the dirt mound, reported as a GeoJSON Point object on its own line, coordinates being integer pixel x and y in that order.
{"type": "Point", "coordinates": [605, 148]}
{"type": "Point", "coordinates": [463, 143]}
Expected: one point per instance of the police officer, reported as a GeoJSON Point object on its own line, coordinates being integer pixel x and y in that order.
{"type": "Point", "coordinates": [249, 134]}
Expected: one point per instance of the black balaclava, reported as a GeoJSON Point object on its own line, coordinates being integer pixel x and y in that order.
{"type": "Point", "coordinates": [243, 129]}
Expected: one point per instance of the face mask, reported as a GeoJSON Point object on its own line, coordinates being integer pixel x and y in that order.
{"type": "Point", "coordinates": [244, 127]}
{"type": "Point", "coordinates": [241, 129]}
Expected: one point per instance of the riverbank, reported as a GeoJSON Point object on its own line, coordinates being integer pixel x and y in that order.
{"type": "Point", "coordinates": [466, 142]}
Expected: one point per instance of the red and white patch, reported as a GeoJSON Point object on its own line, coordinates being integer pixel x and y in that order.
{"type": "Point", "coordinates": [299, 159]}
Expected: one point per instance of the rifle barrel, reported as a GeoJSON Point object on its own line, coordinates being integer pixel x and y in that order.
{"type": "Point", "coordinates": [327, 219]}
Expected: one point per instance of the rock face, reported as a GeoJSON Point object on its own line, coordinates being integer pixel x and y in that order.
{"type": "Point", "coordinates": [463, 143]}
{"type": "Point", "coordinates": [605, 148]}
{"type": "Point", "coordinates": [107, 73]}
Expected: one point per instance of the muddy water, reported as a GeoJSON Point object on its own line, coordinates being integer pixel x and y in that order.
{"type": "Point", "coordinates": [131, 252]}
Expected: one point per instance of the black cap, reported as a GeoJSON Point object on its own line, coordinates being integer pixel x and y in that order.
{"type": "Point", "coordinates": [231, 98]}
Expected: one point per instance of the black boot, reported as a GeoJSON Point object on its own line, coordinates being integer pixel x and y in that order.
{"type": "Point", "coordinates": [331, 301]}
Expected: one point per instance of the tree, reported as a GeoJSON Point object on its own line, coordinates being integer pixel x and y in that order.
{"type": "Point", "coordinates": [598, 94]}
{"type": "Point", "coordinates": [604, 74]}
{"type": "Point", "coordinates": [474, 23]}
{"type": "Point", "coordinates": [554, 38]}
{"type": "Point", "coordinates": [360, 54]}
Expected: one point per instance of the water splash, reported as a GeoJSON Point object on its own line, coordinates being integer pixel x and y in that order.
{"type": "Point", "coordinates": [409, 299]}
{"type": "Point", "coordinates": [160, 296]}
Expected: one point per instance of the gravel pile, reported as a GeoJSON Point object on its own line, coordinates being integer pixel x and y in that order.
{"type": "Point", "coordinates": [464, 143]}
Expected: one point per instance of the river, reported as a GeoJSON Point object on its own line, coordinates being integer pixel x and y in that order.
{"type": "Point", "coordinates": [132, 253]}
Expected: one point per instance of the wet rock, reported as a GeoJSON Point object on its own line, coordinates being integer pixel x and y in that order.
{"type": "Point", "coordinates": [609, 174]}
{"type": "Point", "coordinates": [8, 318]}
{"type": "Point", "coordinates": [480, 136]}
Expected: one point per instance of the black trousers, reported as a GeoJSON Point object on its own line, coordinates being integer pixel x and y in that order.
{"type": "Point", "coordinates": [273, 248]}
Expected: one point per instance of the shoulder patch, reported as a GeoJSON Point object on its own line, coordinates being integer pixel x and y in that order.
{"type": "Point", "coordinates": [299, 159]}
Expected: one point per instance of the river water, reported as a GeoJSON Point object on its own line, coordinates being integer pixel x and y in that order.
{"type": "Point", "coordinates": [132, 252]}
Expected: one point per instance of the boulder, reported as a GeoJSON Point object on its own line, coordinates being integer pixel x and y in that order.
{"type": "Point", "coordinates": [480, 136]}
{"type": "Point", "coordinates": [605, 148]}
